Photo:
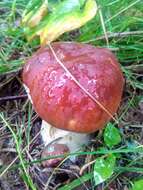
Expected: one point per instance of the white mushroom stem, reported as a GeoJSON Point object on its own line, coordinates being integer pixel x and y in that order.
{"type": "Point", "coordinates": [73, 140]}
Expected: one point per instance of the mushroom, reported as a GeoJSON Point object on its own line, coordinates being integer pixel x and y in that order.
{"type": "Point", "coordinates": [76, 102]}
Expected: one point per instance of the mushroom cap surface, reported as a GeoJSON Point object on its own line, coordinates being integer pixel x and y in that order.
{"type": "Point", "coordinates": [59, 100]}
{"type": "Point", "coordinates": [54, 150]}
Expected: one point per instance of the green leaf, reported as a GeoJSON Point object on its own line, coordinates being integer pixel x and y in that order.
{"type": "Point", "coordinates": [103, 168]}
{"type": "Point", "coordinates": [111, 135]}
{"type": "Point", "coordinates": [50, 20]}
{"type": "Point", "coordinates": [138, 185]}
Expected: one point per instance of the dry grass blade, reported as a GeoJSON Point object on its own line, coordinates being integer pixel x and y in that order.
{"type": "Point", "coordinates": [7, 98]}
{"type": "Point", "coordinates": [103, 26]}
{"type": "Point", "coordinates": [123, 10]}
{"type": "Point", "coordinates": [115, 35]}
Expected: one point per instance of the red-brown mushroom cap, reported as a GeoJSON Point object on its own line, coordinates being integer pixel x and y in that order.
{"type": "Point", "coordinates": [54, 150]}
{"type": "Point", "coordinates": [59, 100]}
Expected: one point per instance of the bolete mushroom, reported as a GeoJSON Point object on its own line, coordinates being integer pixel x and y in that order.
{"type": "Point", "coordinates": [69, 114]}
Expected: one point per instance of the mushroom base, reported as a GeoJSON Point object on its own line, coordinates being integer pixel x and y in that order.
{"type": "Point", "coordinates": [74, 141]}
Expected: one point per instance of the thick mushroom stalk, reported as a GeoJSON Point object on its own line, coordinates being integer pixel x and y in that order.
{"type": "Point", "coordinates": [61, 102]}
{"type": "Point", "coordinates": [73, 140]}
